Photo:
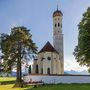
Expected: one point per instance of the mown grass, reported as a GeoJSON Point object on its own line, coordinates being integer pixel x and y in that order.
{"type": "Point", "coordinates": [63, 87]}
{"type": "Point", "coordinates": [7, 79]}
{"type": "Point", "coordinates": [7, 83]}
{"type": "Point", "coordinates": [9, 86]}
{"type": "Point", "coordinates": [50, 87]}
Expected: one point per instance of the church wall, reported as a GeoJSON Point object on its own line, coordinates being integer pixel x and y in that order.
{"type": "Point", "coordinates": [55, 79]}
{"type": "Point", "coordinates": [46, 62]}
{"type": "Point", "coordinates": [33, 66]}
{"type": "Point", "coordinates": [54, 64]}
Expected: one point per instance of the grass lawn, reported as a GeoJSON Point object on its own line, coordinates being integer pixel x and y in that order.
{"type": "Point", "coordinates": [2, 79]}
{"type": "Point", "coordinates": [45, 87]}
{"type": "Point", "coordinates": [64, 87]}
{"type": "Point", "coordinates": [8, 83]}
{"type": "Point", "coordinates": [9, 87]}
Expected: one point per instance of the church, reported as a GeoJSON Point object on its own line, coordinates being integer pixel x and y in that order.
{"type": "Point", "coordinates": [48, 67]}
{"type": "Point", "coordinates": [50, 59]}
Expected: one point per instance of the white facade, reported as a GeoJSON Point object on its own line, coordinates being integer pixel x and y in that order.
{"type": "Point", "coordinates": [48, 63]}
{"type": "Point", "coordinates": [57, 32]}
{"type": "Point", "coordinates": [58, 35]}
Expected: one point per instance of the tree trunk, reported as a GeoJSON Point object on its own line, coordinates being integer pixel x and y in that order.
{"type": "Point", "coordinates": [19, 81]}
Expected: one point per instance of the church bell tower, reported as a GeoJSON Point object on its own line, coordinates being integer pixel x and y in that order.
{"type": "Point", "coordinates": [58, 35]}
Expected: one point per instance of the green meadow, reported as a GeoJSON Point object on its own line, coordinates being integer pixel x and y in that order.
{"type": "Point", "coordinates": [64, 87]}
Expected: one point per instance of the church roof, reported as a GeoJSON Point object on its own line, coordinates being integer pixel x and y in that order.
{"type": "Point", "coordinates": [57, 13]}
{"type": "Point", "coordinates": [48, 47]}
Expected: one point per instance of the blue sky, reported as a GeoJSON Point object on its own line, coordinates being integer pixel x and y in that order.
{"type": "Point", "coordinates": [36, 15]}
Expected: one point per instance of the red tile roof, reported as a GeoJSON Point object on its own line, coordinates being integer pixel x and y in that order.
{"type": "Point", "coordinates": [48, 47]}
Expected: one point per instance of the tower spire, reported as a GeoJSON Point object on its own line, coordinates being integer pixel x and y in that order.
{"type": "Point", "coordinates": [57, 4]}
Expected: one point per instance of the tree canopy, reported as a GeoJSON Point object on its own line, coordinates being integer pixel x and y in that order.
{"type": "Point", "coordinates": [82, 50]}
{"type": "Point", "coordinates": [15, 47]}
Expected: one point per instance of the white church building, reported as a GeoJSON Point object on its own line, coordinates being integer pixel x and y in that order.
{"type": "Point", "coordinates": [48, 68]}
{"type": "Point", "coordinates": [50, 59]}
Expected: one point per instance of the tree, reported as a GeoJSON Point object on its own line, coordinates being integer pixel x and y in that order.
{"type": "Point", "coordinates": [16, 47]}
{"type": "Point", "coordinates": [82, 50]}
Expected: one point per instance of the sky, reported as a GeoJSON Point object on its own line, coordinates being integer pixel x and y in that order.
{"type": "Point", "coordinates": [36, 15]}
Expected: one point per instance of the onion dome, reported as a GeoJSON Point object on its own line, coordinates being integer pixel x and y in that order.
{"type": "Point", "coordinates": [57, 13]}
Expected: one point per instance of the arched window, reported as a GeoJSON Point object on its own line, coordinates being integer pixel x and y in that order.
{"type": "Point", "coordinates": [37, 68]}
{"type": "Point", "coordinates": [55, 25]}
{"type": "Point", "coordinates": [58, 24]}
{"type": "Point", "coordinates": [48, 70]}
{"type": "Point", "coordinates": [30, 69]}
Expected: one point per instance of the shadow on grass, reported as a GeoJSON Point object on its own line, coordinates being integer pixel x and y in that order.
{"type": "Point", "coordinates": [31, 87]}
{"type": "Point", "coordinates": [7, 82]}
{"type": "Point", "coordinates": [28, 89]}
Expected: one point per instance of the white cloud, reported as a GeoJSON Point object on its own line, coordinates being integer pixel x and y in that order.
{"type": "Point", "coordinates": [71, 64]}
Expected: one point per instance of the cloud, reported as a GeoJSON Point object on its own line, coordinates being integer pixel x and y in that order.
{"type": "Point", "coordinates": [71, 64]}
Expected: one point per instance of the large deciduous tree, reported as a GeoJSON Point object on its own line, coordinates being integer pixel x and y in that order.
{"type": "Point", "coordinates": [15, 47]}
{"type": "Point", "coordinates": [82, 50]}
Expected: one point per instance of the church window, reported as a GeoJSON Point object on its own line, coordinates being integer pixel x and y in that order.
{"type": "Point", "coordinates": [41, 70]}
{"type": "Point", "coordinates": [37, 68]}
{"type": "Point", "coordinates": [42, 59]}
{"type": "Point", "coordinates": [30, 69]}
{"type": "Point", "coordinates": [48, 58]}
{"type": "Point", "coordinates": [55, 25]}
{"type": "Point", "coordinates": [48, 70]}
{"type": "Point", "coordinates": [58, 24]}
